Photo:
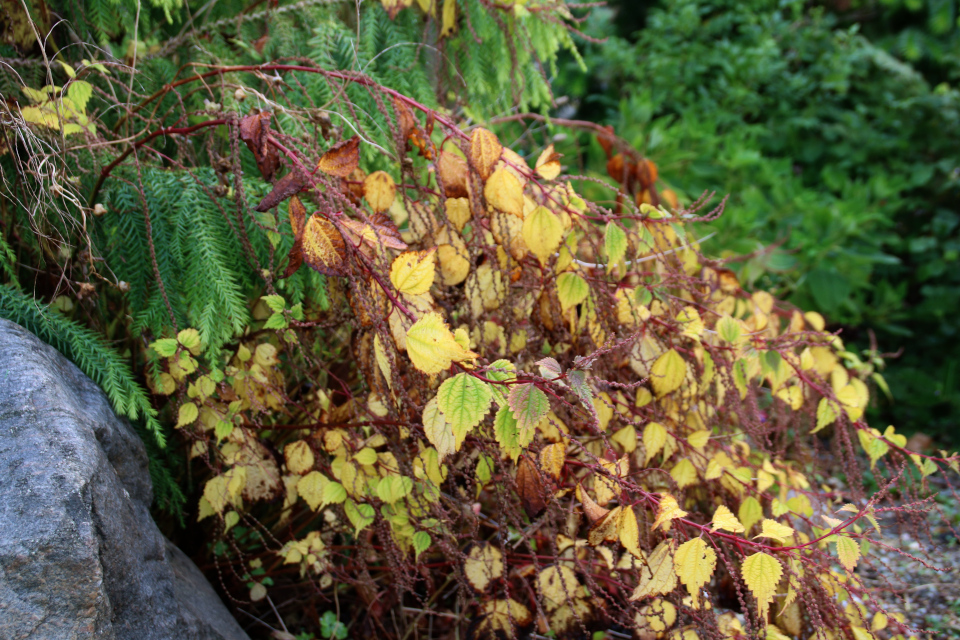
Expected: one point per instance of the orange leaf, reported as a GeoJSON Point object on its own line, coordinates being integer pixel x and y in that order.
{"type": "Point", "coordinates": [341, 159]}
{"type": "Point", "coordinates": [323, 247]}
{"type": "Point", "coordinates": [298, 216]}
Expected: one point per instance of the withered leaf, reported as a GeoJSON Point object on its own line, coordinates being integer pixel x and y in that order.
{"type": "Point", "coordinates": [647, 173]}
{"type": "Point", "coordinates": [381, 233]}
{"type": "Point", "coordinates": [298, 217]}
{"type": "Point", "coordinates": [288, 185]}
{"type": "Point", "coordinates": [530, 487]}
{"type": "Point", "coordinates": [485, 151]}
{"type": "Point", "coordinates": [341, 159]}
{"type": "Point", "coordinates": [452, 171]}
{"type": "Point", "coordinates": [323, 247]}
{"type": "Point", "coordinates": [405, 119]}
{"type": "Point", "coordinates": [606, 140]}
{"type": "Point", "coordinates": [254, 131]}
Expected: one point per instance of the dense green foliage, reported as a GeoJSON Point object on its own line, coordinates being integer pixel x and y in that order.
{"type": "Point", "coordinates": [828, 141]}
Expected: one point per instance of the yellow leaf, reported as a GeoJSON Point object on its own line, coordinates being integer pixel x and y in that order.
{"type": "Point", "coordinates": [775, 530]}
{"type": "Point", "coordinates": [483, 565]}
{"type": "Point", "coordinates": [793, 396]}
{"type": "Point", "coordinates": [657, 576]}
{"type": "Point", "coordinates": [667, 373]}
{"type": "Point", "coordinates": [848, 551]}
{"type": "Point", "coordinates": [654, 437]}
{"type": "Point", "coordinates": [448, 28]}
{"type": "Point", "coordinates": [628, 531]}
{"type": "Point", "coordinates": [412, 272]}
{"type": "Point", "coordinates": [438, 430]}
{"type": "Point", "coordinates": [382, 361]}
{"type": "Point", "coordinates": [558, 585]}
{"type": "Point", "coordinates": [548, 164]}
{"type": "Point", "coordinates": [552, 458]}
{"type": "Point", "coordinates": [542, 231]}
{"type": "Point", "coordinates": [684, 473]}
{"type": "Point", "coordinates": [504, 192]}
{"type": "Point", "coordinates": [500, 618]}
{"type": "Point", "coordinates": [431, 346]}
{"type": "Point", "coordinates": [187, 414]}
{"type": "Point", "coordinates": [453, 255]}
{"type": "Point", "coordinates": [626, 438]}
{"type": "Point", "coordinates": [667, 510]}
{"type": "Point", "coordinates": [485, 151]}
{"type": "Point", "coordinates": [458, 212]}
{"type": "Point", "coordinates": [657, 616]}
{"type": "Point", "coordinates": [606, 529]}
{"type": "Point", "coordinates": [694, 563]}
{"type": "Point", "coordinates": [379, 191]}
{"type": "Point", "coordinates": [762, 573]}
{"type": "Point", "coordinates": [691, 323]}
{"type": "Point", "coordinates": [723, 518]}
{"type": "Point", "coordinates": [299, 457]}
{"type": "Point", "coordinates": [225, 488]}
{"type": "Point", "coordinates": [750, 512]}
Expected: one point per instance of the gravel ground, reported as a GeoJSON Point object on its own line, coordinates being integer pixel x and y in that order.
{"type": "Point", "coordinates": [929, 599]}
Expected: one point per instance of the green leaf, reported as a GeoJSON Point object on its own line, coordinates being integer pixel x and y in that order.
{"type": "Point", "coordinates": [275, 302]}
{"type": "Point", "coordinates": [529, 405]}
{"type": "Point", "coordinates": [187, 414]}
{"type": "Point", "coordinates": [421, 542]}
{"type": "Point", "coordinates": [464, 400]}
{"type": "Point", "coordinates": [505, 430]}
{"type": "Point", "coordinates": [164, 347]}
{"type": "Point", "coordinates": [393, 488]}
{"type": "Point", "coordinates": [826, 414]}
{"type": "Point", "coordinates": [571, 290]}
{"type": "Point", "coordinates": [276, 321]}
{"type": "Point", "coordinates": [360, 515]}
{"type": "Point", "coordinates": [614, 244]}
{"type": "Point", "coordinates": [729, 329]}
{"type": "Point", "coordinates": [79, 93]}
{"type": "Point", "coordinates": [750, 513]}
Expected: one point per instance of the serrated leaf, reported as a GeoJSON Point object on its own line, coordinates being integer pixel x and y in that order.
{"type": "Point", "coordinates": [826, 414]}
{"type": "Point", "coordinates": [485, 151]}
{"type": "Point", "coordinates": [552, 459]}
{"type": "Point", "coordinates": [506, 432]}
{"type": "Point", "coordinates": [667, 373]}
{"type": "Point", "coordinates": [438, 430]}
{"type": "Point", "coordinates": [750, 512]}
{"type": "Point", "coordinates": [657, 576]}
{"type": "Point", "coordinates": [548, 164]}
{"type": "Point", "coordinates": [187, 414]}
{"type": "Point", "coordinates": [571, 290]}
{"type": "Point", "coordinates": [724, 519]}
{"type": "Point", "coordinates": [464, 400]}
{"type": "Point", "coordinates": [341, 159]}
{"type": "Point", "coordinates": [729, 329]}
{"type": "Point", "coordinates": [628, 531]}
{"type": "Point", "coordinates": [694, 563]}
{"type": "Point", "coordinates": [393, 488]}
{"type": "Point", "coordinates": [412, 272]}
{"type": "Point", "coordinates": [848, 551]}
{"type": "Point", "coordinates": [667, 510]}
{"type": "Point", "coordinates": [529, 405]}
{"type": "Point", "coordinates": [654, 437]}
{"type": "Point", "coordinates": [421, 542]}
{"type": "Point", "coordinates": [542, 231]}
{"type": "Point", "coordinates": [504, 192]}
{"type": "Point", "coordinates": [379, 191]}
{"type": "Point", "coordinates": [483, 565]}
{"type": "Point", "coordinates": [431, 346]}
{"type": "Point", "coordinates": [774, 530]}
{"type": "Point", "coordinates": [324, 249]}
{"type": "Point", "coordinates": [310, 487]}
{"type": "Point", "coordinates": [299, 457]}
{"type": "Point", "coordinates": [359, 515]}
{"type": "Point", "coordinates": [614, 244]}
{"type": "Point", "coordinates": [165, 347]}
{"type": "Point", "coordinates": [761, 573]}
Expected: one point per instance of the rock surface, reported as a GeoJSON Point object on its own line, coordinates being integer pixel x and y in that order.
{"type": "Point", "coordinates": [80, 555]}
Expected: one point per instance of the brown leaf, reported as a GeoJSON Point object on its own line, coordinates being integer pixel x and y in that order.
{"type": "Point", "coordinates": [606, 141]}
{"type": "Point", "coordinates": [452, 171]}
{"type": "Point", "coordinates": [405, 119]}
{"type": "Point", "coordinates": [288, 185]}
{"type": "Point", "coordinates": [605, 529]}
{"type": "Point", "coordinates": [298, 216]}
{"type": "Point", "coordinates": [530, 487]}
{"type": "Point", "coordinates": [422, 141]}
{"type": "Point", "coordinates": [254, 131]}
{"type": "Point", "coordinates": [485, 151]}
{"type": "Point", "coordinates": [323, 247]}
{"type": "Point", "coordinates": [375, 235]}
{"type": "Point", "coordinates": [341, 159]}
{"type": "Point", "coordinates": [591, 509]}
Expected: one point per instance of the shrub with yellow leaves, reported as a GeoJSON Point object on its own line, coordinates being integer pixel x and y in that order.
{"type": "Point", "coordinates": [523, 412]}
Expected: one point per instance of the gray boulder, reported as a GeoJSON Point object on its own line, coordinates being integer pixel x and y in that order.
{"type": "Point", "coordinates": [80, 556]}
